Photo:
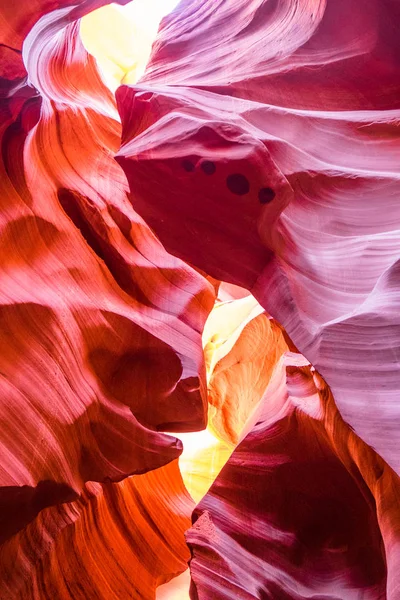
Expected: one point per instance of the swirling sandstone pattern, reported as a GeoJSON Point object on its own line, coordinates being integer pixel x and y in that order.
{"type": "Point", "coordinates": [262, 148]}
{"type": "Point", "coordinates": [100, 327]}
{"type": "Point", "coordinates": [122, 540]}
{"type": "Point", "coordinates": [296, 511]}
{"type": "Point", "coordinates": [300, 203]}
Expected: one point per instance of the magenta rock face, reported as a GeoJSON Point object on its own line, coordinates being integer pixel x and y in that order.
{"type": "Point", "coordinates": [257, 160]}
{"type": "Point", "coordinates": [286, 518]}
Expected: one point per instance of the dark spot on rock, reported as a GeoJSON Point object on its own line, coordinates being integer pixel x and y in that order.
{"type": "Point", "coordinates": [188, 165]}
{"type": "Point", "coordinates": [266, 195]}
{"type": "Point", "coordinates": [208, 167]}
{"type": "Point", "coordinates": [238, 184]}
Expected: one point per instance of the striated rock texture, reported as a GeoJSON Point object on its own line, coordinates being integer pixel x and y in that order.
{"type": "Point", "coordinates": [92, 307]}
{"type": "Point", "coordinates": [297, 511]}
{"type": "Point", "coordinates": [117, 541]}
{"type": "Point", "coordinates": [100, 336]}
{"type": "Point", "coordinates": [262, 147]}
{"type": "Point", "coordinates": [239, 377]}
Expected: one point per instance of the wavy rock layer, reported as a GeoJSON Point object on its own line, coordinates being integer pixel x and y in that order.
{"type": "Point", "coordinates": [276, 169]}
{"type": "Point", "coordinates": [291, 515]}
{"type": "Point", "coordinates": [240, 377]}
{"type": "Point", "coordinates": [262, 147]}
{"type": "Point", "coordinates": [117, 541]}
{"type": "Point", "coordinates": [100, 327]}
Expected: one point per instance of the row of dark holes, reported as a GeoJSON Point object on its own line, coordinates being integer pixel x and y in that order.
{"type": "Point", "coordinates": [236, 182]}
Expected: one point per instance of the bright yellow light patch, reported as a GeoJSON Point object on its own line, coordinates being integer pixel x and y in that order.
{"type": "Point", "coordinates": [121, 37]}
{"type": "Point", "coordinates": [204, 454]}
{"type": "Point", "coordinates": [201, 461]}
{"type": "Point", "coordinates": [223, 327]}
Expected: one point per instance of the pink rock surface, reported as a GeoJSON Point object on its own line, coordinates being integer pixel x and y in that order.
{"type": "Point", "coordinates": [293, 514]}
{"type": "Point", "coordinates": [262, 145]}
{"type": "Point", "coordinates": [262, 148]}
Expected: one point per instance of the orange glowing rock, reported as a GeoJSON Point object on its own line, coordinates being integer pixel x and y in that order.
{"type": "Point", "coordinates": [239, 379]}
{"type": "Point", "coordinates": [122, 541]}
{"type": "Point", "coordinates": [275, 169]}
{"type": "Point", "coordinates": [260, 143]}
{"type": "Point", "coordinates": [101, 328]}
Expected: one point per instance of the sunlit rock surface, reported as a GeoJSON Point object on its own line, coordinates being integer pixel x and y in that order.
{"type": "Point", "coordinates": [118, 541]}
{"type": "Point", "coordinates": [217, 244]}
{"type": "Point", "coordinates": [240, 360]}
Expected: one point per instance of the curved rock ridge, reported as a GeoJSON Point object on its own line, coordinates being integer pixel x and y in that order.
{"type": "Point", "coordinates": [260, 149]}
{"type": "Point", "coordinates": [117, 541]}
{"type": "Point", "coordinates": [296, 512]}
{"type": "Point", "coordinates": [319, 55]}
{"type": "Point", "coordinates": [100, 327]}
{"type": "Point", "coordinates": [241, 346]}
{"type": "Point", "coordinates": [276, 169]}
{"type": "Point", "coordinates": [18, 20]}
